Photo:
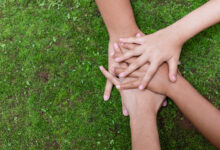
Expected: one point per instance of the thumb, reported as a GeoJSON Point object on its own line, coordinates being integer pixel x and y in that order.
{"type": "Point", "coordinates": [173, 66]}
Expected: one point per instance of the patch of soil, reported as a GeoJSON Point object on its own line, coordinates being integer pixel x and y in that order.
{"type": "Point", "coordinates": [55, 145]}
{"type": "Point", "coordinates": [43, 76]}
{"type": "Point", "coordinates": [115, 129]}
{"type": "Point", "coordinates": [184, 122]}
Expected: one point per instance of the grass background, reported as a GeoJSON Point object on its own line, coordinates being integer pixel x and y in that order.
{"type": "Point", "coordinates": [51, 90]}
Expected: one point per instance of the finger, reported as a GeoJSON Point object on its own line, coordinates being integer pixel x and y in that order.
{"type": "Point", "coordinates": [144, 67]}
{"type": "Point", "coordinates": [138, 35]}
{"type": "Point", "coordinates": [139, 62]}
{"type": "Point", "coordinates": [117, 51]}
{"type": "Point", "coordinates": [116, 47]}
{"type": "Point", "coordinates": [128, 55]}
{"type": "Point", "coordinates": [109, 76]}
{"type": "Point", "coordinates": [132, 40]}
{"type": "Point", "coordinates": [128, 46]}
{"type": "Point", "coordinates": [112, 53]}
{"type": "Point", "coordinates": [131, 60]}
{"type": "Point", "coordinates": [123, 65]}
{"type": "Point", "coordinates": [131, 46]}
{"type": "Point", "coordinates": [108, 90]}
{"type": "Point", "coordinates": [119, 70]}
{"type": "Point", "coordinates": [129, 85]}
{"type": "Point", "coordinates": [124, 110]}
{"type": "Point", "coordinates": [165, 103]}
{"type": "Point", "coordinates": [148, 76]}
{"type": "Point", "coordinates": [136, 74]}
{"type": "Point", "coordinates": [173, 65]}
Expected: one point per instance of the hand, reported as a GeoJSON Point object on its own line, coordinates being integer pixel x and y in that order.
{"type": "Point", "coordinates": [156, 48]}
{"type": "Point", "coordinates": [141, 102]}
{"type": "Point", "coordinates": [133, 77]}
{"type": "Point", "coordinates": [113, 48]}
{"type": "Point", "coordinates": [109, 85]}
{"type": "Point", "coordinates": [159, 83]}
{"type": "Point", "coordinates": [112, 64]}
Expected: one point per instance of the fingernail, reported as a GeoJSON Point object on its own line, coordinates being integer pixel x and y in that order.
{"type": "Point", "coordinates": [100, 67]}
{"type": "Point", "coordinates": [125, 112]}
{"type": "Point", "coordinates": [121, 39]}
{"type": "Point", "coordinates": [173, 78]}
{"type": "Point", "coordinates": [118, 86]}
{"type": "Point", "coordinates": [122, 74]}
{"type": "Point", "coordinates": [164, 103]}
{"type": "Point", "coordinates": [112, 53]}
{"type": "Point", "coordinates": [115, 45]}
{"type": "Point", "coordinates": [141, 87]}
{"type": "Point", "coordinates": [106, 97]}
{"type": "Point", "coordinates": [117, 59]}
{"type": "Point", "coordinates": [138, 35]}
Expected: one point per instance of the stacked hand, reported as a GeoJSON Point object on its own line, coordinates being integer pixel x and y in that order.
{"type": "Point", "coordinates": [127, 103]}
{"type": "Point", "coordinates": [154, 49]}
{"type": "Point", "coordinates": [159, 83]}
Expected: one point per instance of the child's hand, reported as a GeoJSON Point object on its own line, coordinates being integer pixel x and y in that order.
{"type": "Point", "coordinates": [159, 83]}
{"type": "Point", "coordinates": [156, 48]}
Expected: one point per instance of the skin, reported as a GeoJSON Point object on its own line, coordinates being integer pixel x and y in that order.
{"type": "Point", "coordinates": [122, 25]}
{"type": "Point", "coordinates": [165, 45]}
{"type": "Point", "coordinates": [110, 11]}
{"type": "Point", "coordinates": [135, 103]}
{"type": "Point", "coordinates": [206, 118]}
{"type": "Point", "coordinates": [143, 107]}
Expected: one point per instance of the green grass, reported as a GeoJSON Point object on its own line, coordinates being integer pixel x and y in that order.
{"type": "Point", "coordinates": [52, 90]}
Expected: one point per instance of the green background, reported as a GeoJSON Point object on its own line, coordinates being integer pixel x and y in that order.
{"type": "Point", "coordinates": [51, 90]}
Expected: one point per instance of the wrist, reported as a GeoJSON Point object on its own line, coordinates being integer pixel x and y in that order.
{"type": "Point", "coordinates": [174, 88]}
{"type": "Point", "coordinates": [174, 35]}
{"type": "Point", "coordinates": [115, 36]}
{"type": "Point", "coordinates": [139, 116]}
{"type": "Point", "coordinates": [145, 110]}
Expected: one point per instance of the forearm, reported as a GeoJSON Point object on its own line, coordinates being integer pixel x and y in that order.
{"type": "Point", "coordinates": [195, 22]}
{"type": "Point", "coordinates": [118, 17]}
{"type": "Point", "coordinates": [197, 109]}
{"type": "Point", "coordinates": [144, 131]}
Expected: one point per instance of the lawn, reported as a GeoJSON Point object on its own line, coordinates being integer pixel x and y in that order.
{"type": "Point", "coordinates": [51, 90]}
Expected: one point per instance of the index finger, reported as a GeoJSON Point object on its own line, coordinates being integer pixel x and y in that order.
{"type": "Point", "coordinates": [139, 62]}
{"type": "Point", "coordinates": [109, 76]}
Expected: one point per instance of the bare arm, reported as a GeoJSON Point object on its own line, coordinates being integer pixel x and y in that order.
{"type": "Point", "coordinates": [197, 109]}
{"type": "Point", "coordinates": [120, 22]}
{"type": "Point", "coordinates": [197, 21]}
{"type": "Point", "coordinates": [143, 123]}
{"type": "Point", "coordinates": [204, 116]}
{"type": "Point", "coordinates": [119, 19]}
{"type": "Point", "coordinates": [165, 45]}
